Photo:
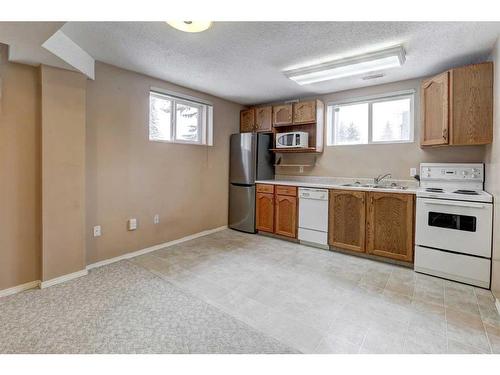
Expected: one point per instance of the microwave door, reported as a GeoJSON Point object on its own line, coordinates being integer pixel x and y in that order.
{"type": "Point", "coordinates": [285, 140]}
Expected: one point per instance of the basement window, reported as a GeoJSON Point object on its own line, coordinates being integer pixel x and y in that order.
{"type": "Point", "coordinates": [374, 120]}
{"type": "Point", "coordinates": [177, 118]}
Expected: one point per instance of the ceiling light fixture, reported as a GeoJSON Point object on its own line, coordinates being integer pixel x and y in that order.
{"type": "Point", "coordinates": [190, 26]}
{"type": "Point", "coordinates": [351, 66]}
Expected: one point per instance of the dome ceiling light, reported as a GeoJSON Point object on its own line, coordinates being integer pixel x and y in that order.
{"type": "Point", "coordinates": [190, 26]}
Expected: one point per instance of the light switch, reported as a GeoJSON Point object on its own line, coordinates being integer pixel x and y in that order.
{"type": "Point", "coordinates": [97, 231]}
{"type": "Point", "coordinates": [156, 219]}
{"type": "Point", "coordinates": [132, 224]}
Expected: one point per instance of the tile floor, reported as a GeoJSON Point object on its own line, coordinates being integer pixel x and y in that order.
{"type": "Point", "coordinates": [318, 301]}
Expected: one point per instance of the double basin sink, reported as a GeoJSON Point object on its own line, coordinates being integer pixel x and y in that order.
{"type": "Point", "coordinates": [375, 186]}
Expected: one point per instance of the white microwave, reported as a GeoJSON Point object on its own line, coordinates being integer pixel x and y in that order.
{"type": "Point", "coordinates": [292, 139]}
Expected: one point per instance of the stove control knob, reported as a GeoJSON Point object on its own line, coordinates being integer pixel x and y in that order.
{"type": "Point", "coordinates": [465, 173]}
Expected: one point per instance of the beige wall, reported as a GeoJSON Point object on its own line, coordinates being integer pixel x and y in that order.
{"type": "Point", "coordinates": [19, 173]}
{"type": "Point", "coordinates": [63, 172]}
{"type": "Point", "coordinates": [371, 160]}
{"type": "Point", "coordinates": [493, 171]}
{"type": "Point", "coordinates": [129, 176]}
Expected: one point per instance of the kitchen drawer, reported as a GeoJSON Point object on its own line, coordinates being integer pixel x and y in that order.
{"type": "Point", "coordinates": [286, 190]}
{"type": "Point", "coordinates": [265, 188]}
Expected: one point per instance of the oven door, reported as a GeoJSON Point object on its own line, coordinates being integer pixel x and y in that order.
{"type": "Point", "coordinates": [462, 227]}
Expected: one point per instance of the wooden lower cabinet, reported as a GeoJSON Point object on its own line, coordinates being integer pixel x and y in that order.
{"type": "Point", "coordinates": [346, 227]}
{"type": "Point", "coordinates": [286, 215]}
{"type": "Point", "coordinates": [276, 209]}
{"type": "Point", "coordinates": [264, 212]}
{"type": "Point", "coordinates": [390, 225]}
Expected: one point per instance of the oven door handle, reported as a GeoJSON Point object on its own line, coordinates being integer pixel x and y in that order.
{"type": "Point", "coordinates": [456, 204]}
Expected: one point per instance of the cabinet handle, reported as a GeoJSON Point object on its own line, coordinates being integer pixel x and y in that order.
{"type": "Point", "coordinates": [445, 133]}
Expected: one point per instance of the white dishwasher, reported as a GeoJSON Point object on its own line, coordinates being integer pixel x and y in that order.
{"type": "Point", "coordinates": [313, 217]}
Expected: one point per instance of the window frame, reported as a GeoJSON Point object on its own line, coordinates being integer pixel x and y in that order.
{"type": "Point", "coordinates": [205, 119]}
{"type": "Point", "coordinates": [370, 100]}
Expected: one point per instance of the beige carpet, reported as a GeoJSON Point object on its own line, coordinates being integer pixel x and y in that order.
{"type": "Point", "coordinates": [122, 308]}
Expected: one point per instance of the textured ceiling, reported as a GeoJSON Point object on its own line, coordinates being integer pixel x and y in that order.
{"type": "Point", "coordinates": [243, 61]}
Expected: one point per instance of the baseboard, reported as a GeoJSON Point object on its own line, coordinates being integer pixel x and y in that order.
{"type": "Point", "coordinates": [19, 288]}
{"type": "Point", "coordinates": [154, 248]}
{"type": "Point", "coordinates": [74, 275]}
{"type": "Point", "coordinates": [63, 278]}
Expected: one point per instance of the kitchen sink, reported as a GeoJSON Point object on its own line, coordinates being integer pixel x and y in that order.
{"type": "Point", "coordinates": [359, 185]}
{"type": "Point", "coordinates": [392, 187]}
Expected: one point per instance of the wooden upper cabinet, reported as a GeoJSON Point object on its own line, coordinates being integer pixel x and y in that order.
{"type": "Point", "coordinates": [457, 107]}
{"type": "Point", "coordinates": [264, 119]}
{"type": "Point", "coordinates": [282, 114]}
{"type": "Point", "coordinates": [346, 224]}
{"type": "Point", "coordinates": [264, 212]}
{"type": "Point", "coordinates": [434, 101]}
{"type": "Point", "coordinates": [285, 213]}
{"type": "Point", "coordinates": [471, 105]}
{"type": "Point", "coordinates": [247, 120]}
{"type": "Point", "coordinates": [304, 112]}
{"type": "Point", "coordinates": [390, 225]}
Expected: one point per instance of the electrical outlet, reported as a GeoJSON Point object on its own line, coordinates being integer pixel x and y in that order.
{"type": "Point", "coordinates": [97, 231]}
{"type": "Point", "coordinates": [156, 219]}
{"type": "Point", "coordinates": [132, 224]}
{"type": "Point", "coordinates": [413, 172]}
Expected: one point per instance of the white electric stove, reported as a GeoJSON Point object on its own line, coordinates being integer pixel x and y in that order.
{"type": "Point", "coordinates": [454, 223]}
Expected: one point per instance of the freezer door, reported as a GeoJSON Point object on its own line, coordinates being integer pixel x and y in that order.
{"type": "Point", "coordinates": [242, 208]}
{"type": "Point", "coordinates": [243, 158]}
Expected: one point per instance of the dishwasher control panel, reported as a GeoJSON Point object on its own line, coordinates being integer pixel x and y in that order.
{"type": "Point", "coordinates": [308, 193]}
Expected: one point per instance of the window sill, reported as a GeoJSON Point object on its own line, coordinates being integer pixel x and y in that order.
{"type": "Point", "coordinates": [180, 143]}
{"type": "Point", "coordinates": [372, 143]}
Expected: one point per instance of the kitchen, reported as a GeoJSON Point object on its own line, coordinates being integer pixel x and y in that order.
{"type": "Point", "coordinates": [249, 187]}
{"type": "Point", "coordinates": [381, 217]}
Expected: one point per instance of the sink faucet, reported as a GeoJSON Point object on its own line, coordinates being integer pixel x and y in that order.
{"type": "Point", "coordinates": [380, 177]}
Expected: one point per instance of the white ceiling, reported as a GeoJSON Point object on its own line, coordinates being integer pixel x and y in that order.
{"type": "Point", "coordinates": [25, 41]}
{"type": "Point", "coordinates": [243, 61]}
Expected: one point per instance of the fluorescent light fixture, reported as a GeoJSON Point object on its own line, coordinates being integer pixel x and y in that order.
{"type": "Point", "coordinates": [190, 26]}
{"type": "Point", "coordinates": [351, 66]}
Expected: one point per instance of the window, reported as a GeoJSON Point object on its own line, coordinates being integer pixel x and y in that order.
{"type": "Point", "coordinates": [179, 119]}
{"type": "Point", "coordinates": [387, 119]}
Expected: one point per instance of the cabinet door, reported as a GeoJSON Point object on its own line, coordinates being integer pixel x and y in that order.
{"type": "Point", "coordinates": [347, 220]}
{"type": "Point", "coordinates": [282, 114]}
{"type": "Point", "coordinates": [264, 212]}
{"type": "Point", "coordinates": [471, 104]}
{"type": "Point", "coordinates": [304, 112]}
{"type": "Point", "coordinates": [247, 120]}
{"type": "Point", "coordinates": [285, 222]}
{"type": "Point", "coordinates": [390, 225]}
{"type": "Point", "coordinates": [435, 109]}
{"type": "Point", "coordinates": [264, 119]}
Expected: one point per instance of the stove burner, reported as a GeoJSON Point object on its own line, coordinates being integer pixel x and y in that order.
{"type": "Point", "coordinates": [434, 190]}
{"type": "Point", "coordinates": [466, 192]}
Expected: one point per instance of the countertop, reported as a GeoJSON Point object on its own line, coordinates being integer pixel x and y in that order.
{"type": "Point", "coordinates": [337, 183]}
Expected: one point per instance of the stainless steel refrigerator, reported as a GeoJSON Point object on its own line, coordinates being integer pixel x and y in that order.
{"type": "Point", "coordinates": [250, 160]}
